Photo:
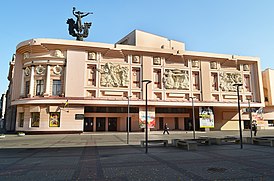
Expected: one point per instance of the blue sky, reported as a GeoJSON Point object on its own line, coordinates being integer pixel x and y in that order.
{"type": "Point", "coordinates": [239, 27]}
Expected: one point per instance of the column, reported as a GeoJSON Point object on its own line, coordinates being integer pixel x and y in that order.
{"type": "Point", "coordinates": [31, 86]}
{"type": "Point", "coordinates": [22, 93]}
{"type": "Point", "coordinates": [106, 124]}
{"type": "Point", "coordinates": [47, 92]}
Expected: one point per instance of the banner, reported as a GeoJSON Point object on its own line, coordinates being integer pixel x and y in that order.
{"type": "Point", "coordinates": [206, 117]}
{"type": "Point", "coordinates": [54, 119]}
{"type": "Point", "coordinates": [150, 118]}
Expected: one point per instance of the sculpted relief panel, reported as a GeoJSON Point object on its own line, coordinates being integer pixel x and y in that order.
{"type": "Point", "coordinates": [228, 79]}
{"type": "Point", "coordinates": [114, 75]}
{"type": "Point", "coordinates": [176, 79]}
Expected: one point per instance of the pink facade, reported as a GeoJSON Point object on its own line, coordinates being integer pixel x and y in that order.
{"type": "Point", "coordinates": [73, 86]}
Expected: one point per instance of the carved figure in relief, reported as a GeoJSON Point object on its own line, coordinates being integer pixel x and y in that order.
{"type": "Point", "coordinates": [213, 65]}
{"type": "Point", "coordinates": [195, 63]}
{"type": "Point", "coordinates": [227, 81]}
{"type": "Point", "coordinates": [26, 55]}
{"type": "Point", "coordinates": [136, 59]}
{"type": "Point", "coordinates": [113, 76]}
{"type": "Point", "coordinates": [27, 71]}
{"type": "Point", "coordinates": [176, 79]}
{"type": "Point", "coordinates": [124, 76]}
{"type": "Point", "coordinates": [157, 61]}
{"type": "Point", "coordinates": [246, 67]}
{"type": "Point", "coordinates": [168, 79]}
{"type": "Point", "coordinates": [58, 54]}
{"type": "Point", "coordinates": [91, 56]}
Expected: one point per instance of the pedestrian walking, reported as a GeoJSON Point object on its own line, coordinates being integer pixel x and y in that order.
{"type": "Point", "coordinates": [166, 129]}
{"type": "Point", "coordinates": [254, 127]}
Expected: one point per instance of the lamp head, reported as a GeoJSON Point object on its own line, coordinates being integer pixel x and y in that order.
{"type": "Point", "coordinates": [147, 81]}
{"type": "Point", "coordinates": [238, 84]}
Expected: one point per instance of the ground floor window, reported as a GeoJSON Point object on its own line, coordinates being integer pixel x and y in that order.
{"type": "Point", "coordinates": [54, 119]}
{"type": "Point", "coordinates": [35, 119]}
{"type": "Point", "coordinates": [21, 119]}
{"type": "Point", "coordinates": [270, 123]}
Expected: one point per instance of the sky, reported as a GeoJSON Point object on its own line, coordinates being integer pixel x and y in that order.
{"type": "Point", "coordinates": [236, 27]}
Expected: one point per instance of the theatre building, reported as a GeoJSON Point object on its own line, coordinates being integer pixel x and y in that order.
{"type": "Point", "coordinates": [75, 86]}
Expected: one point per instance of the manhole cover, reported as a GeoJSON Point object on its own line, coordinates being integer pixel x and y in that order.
{"type": "Point", "coordinates": [216, 169]}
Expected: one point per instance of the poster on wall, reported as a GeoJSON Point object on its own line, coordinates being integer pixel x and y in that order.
{"type": "Point", "coordinates": [206, 117]}
{"type": "Point", "coordinates": [54, 119]}
{"type": "Point", "coordinates": [258, 117]}
{"type": "Point", "coordinates": [150, 118]}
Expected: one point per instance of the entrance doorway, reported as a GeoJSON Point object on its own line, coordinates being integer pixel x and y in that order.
{"type": "Point", "coordinates": [100, 124]}
{"type": "Point", "coordinates": [129, 124]}
{"type": "Point", "coordinates": [246, 124]}
{"type": "Point", "coordinates": [188, 124]}
{"type": "Point", "coordinates": [176, 122]}
{"type": "Point", "coordinates": [161, 123]}
{"type": "Point", "coordinates": [88, 124]}
{"type": "Point", "coordinates": [112, 124]}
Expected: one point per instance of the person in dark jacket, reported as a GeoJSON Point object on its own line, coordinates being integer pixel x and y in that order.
{"type": "Point", "coordinates": [166, 129]}
{"type": "Point", "coordinates": [254, 127]}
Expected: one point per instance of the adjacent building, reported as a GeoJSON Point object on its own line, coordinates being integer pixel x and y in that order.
{"type": "Point", "coordinates": [268, 86]}
{"type": "Point", "coordinates": [74, 86]}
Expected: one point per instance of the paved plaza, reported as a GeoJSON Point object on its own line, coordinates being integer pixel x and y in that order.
{"type": "Point", "coordinates": [106, 156]}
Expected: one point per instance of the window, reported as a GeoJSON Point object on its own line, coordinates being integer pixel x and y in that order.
{"type": "Point", "coordinates": [39, 87]}
{"type": "Point", "coordinates": [136, 77]}
{"type": "Point", "coordinates": [214, 81]}
{"type": "Point", "coordinates": [21, 119]}
{"type": "Point", "coordinates": [35, 119]}
{"type": "Point", "coordinates": [247, 83]}
{"type": "Point", "coordinates": [56, 87]}
{"type": "Point", "coordinates": [27, 88]}
{"type": "Point", "coordinates": [270, 123]}
{"type": "Point", "coordinates": [54, 119]}
{"type": "Point", "coordinates": [91, 74]}
{"type": "Point", "coordinates": [195, 80]}
{"type": "Point", "coordinates": [157, 78]}
{"type": "Point", "coordinates": [176, 120]}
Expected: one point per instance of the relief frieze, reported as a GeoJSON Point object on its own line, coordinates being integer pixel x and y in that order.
{"type": "Point", "coordinates": [114, 75]}
{"type": "Point", "coordinates": [176, 79]}
{"type": "Point", "coordinates": [228, 79]}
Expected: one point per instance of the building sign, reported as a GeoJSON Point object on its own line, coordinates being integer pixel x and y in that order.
{"type": "Point", "coordinates": [79, 116]}
{"type": "Point", "coordinates": [206, 117]}
{"type": "Point", "coordinates": [150, 118]}
{"type": "Point", "coordinates": [54, 119]}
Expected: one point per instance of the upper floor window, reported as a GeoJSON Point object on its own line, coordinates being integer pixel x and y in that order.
{"type": "Point", "coordinates": [39, 87]}
{"type": "Point", "coordinates": [157, 78]}
{"type": "Point", "coordinates": [214, 81]}
{"type": "Point", "coordinates": [56, 87]}
{"type": "Point", "coordinates": [247, 83]}
{"type": "Point", "coordinates": [195, 80]}
{"type": "Point", "coordinates": [136, 77]}
{"type": "Point", "coordinates": [27, 88]}
{"type": "Point", "coordinates": [91, 74]}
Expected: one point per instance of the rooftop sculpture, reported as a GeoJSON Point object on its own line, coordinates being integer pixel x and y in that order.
{"type": "Point", "coordinates": [81, 30]}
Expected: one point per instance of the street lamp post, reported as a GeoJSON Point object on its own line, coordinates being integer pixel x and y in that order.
{"type": "Point", "coordinates": [193, 117]}
{"type": "Point", "coordinates": [250, 118]}
{"type": "Point", "coordinates": [128, 97]}
{"type": "Point", "coordinates": [239, 112]}
{"type": "Point", "coordinates": [147, 82]}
